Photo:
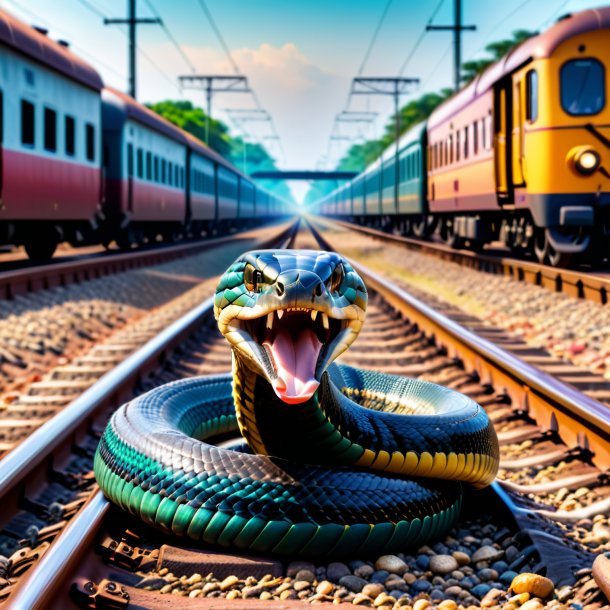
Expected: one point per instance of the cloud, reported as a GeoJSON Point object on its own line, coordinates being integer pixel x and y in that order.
{"type": "Point", "coordinates": [302, 97]}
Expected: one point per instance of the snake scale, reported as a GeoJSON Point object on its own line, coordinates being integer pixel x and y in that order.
{"type": "Point", "coordinates": [337, 461]}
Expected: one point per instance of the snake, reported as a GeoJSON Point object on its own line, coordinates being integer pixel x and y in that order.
{"type": "Point", "coordinates": [331, 460]}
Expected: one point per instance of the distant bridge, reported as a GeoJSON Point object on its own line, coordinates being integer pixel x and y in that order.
{"type": "Point", "coordinates": [292, 174]}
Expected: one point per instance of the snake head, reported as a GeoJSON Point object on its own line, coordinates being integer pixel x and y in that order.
{"type": "Point", "coordinates": [289, 313]}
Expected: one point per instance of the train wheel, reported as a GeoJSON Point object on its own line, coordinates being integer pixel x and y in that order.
{"type": "Point", "coordinates": [125, 240]}
{"type": "Point", "coordinates": [41, 244]}
{"type": "Point", "coordinates": [449, 236]}
{"type": "Point", "coordinates": [546, 252]}
{"type": "Point", "coordinates": [423, 226]}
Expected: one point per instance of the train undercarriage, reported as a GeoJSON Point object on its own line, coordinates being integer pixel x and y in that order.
{"type": "Point", "coordinates": [556, 246]}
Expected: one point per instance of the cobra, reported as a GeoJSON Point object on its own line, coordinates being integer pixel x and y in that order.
{"type": "Point", "coordinates": [337, 461]}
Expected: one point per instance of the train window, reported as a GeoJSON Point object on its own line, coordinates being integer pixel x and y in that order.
{"type": "Point", "coordinates": [182, 176]}
{"type": "Point", "coordinates": [450, 150]}
{"type": "Point", "coordinates": [582, 87]}
{"type": "Point", "coordinates": [50, 130]}
{"type": "Point", "coordinates": [475, 138]}
{"type": "Point", "coordinates": [90, 141]}
{"type": "Point", "coordinates": [170, 173]}
{"type": "Point", "coordinates": [457, 145]}
{"type": "Point", "coordinates": [70, 135]}
{"type": "Point", "coordinates": [484, 134]}
{"type": "Point", "coordinates": [531, 95]}
{"type": "Point", "coordinates": [140, 163]}
{"type": "Point", "coordinates": [163, 167]}
{"type": "Point", "coordinates": [466, 141]}
{"type": "Point", "coordinates": [130, 159]}
{"type": "Point", "coordinates": [27, 123]}
{"type": "Point", "coordinates": [156, 168]}
{"type": "Point", "coordinates": [149, 166]}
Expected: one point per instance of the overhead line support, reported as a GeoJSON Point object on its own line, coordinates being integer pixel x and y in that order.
{"type": "Point", "coordinates": [206, 82]}
{"type": "Point", "coordinates": [132, 21]}
{"type": "Point", "coordinates": [457, 28]}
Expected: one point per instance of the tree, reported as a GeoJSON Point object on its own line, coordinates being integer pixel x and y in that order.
{"type": "Point", "coordinates": [497, 50]}
{"type": "Point", "coordinates": [192, 119]}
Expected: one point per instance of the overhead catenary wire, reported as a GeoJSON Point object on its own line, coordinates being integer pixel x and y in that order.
{"type": "Point", "coordinates": [171, 37]}
{"type": "Point", "coordinates": [19, 6]}
{"type": "Point", "coordinates": [374, 38]}
{"type": "Point", "coordinates": [95, 10]}
{"type": "Point", "coordinates": [409, 57]}
{"type": "Point", "coordinates": [208, 14]}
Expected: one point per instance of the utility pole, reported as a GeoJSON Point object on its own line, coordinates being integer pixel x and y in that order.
{"type": "Point", "coordinates": [132, 21]}
{"type": "Point", "coordinates": [393, 86]}
{"type": "Point", "coordinates": [457, 29]}
{"type": "Point", "coordinates": [205, 82]}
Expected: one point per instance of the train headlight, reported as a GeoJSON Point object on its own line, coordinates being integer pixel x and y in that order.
{"type": "Point", "coordinates": [586, 160]}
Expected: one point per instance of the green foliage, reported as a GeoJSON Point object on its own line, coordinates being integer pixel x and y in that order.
{"type": "Point", "coordinates": [192, 119]}
{"type": "Point", "coordinates": [496, 50]}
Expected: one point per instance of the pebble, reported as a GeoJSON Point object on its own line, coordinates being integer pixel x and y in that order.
{"type": "Point", "coordinates": [447, 604]}
{"type": "Point", "coordinates": [228, 582]}
{"type": "Point", "coordinates": [392, 564]}
{"type": "Point", "coordinates": [296, 566]}
{"type": "Point", "coordinates": [481, 590]}
{"type": "Point", "coordinates": [372, 589]}
{"type": "Point", "coordinates": [461, 557]}
{"type": "Point", "coordinates": [532, 604]}
{"type": "Point", "coordinates": [352, 583]}
{"type": "Point", "coordinates": [491, 597]}
{"type": "Point", "coordinates": [443, 564]}
{"type": "Point", "coordinates": [336, 570]}
{"type": "Point", "coordinates": [383, 599]}
{"type": "Point", "coordinates": [487, 553]}
{"type": "Point", "coordinates": [421, 586]}
{"type": "Point", "coordinates": [307, 575]}
{"type": "Point", "coordinates": [421, 604]}
{"type": "Point", "coordinates": [362, 600]}
{"type": "Point", "coordinates": [300, 585]}
{"type": "Point", "coordinates": [325, 588]}
{"type": "Point", "coordinates": [364, 571]}
{"type": "Point", "coordinates": [537, 585]}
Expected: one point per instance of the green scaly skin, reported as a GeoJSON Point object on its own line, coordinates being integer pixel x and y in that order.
{"type": "Point", "coordinates": [326, 467]}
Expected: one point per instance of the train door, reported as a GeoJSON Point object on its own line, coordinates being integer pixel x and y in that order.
{"type": "Point", "coordinates": [130, 177]}
{"type": "Point", "coordinates": [502, 141]}
{"type": "Point", "coordinates": [517, 137]}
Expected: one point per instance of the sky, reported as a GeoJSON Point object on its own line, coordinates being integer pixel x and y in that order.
{"type": "Point", "coordinates": [299, 56]}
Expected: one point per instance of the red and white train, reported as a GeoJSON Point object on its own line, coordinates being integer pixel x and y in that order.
{"type": "Point", "coordinates": [86, 164]}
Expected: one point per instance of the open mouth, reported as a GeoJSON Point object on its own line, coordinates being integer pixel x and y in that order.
{"type": "Point", "coordinates": [298, 344]}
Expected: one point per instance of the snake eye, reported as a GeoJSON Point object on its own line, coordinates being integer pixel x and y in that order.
{"type": "Point", "coordinates": [253, 278]}
{"type": "Point", "coordinates": [336, 279]}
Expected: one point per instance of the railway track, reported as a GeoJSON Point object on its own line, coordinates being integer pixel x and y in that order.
{"type": "Point", "coordinates": [591, 285]}
{"type": "Point", "coordinates": [555, 454]}
{"type": "Point", "coordinates": [31, 277]}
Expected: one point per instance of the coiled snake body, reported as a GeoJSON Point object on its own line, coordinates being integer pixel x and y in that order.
{"type": "Point", "coordinates": [339, 461]}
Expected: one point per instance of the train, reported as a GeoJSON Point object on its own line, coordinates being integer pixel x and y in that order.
{"type": "Point", "coordinates": [520, 155]}
{"type": "Point", "coordinates": [87, 164]}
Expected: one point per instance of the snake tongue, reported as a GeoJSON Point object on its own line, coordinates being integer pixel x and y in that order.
{"type": "Point", "coordinates": [295, 352]}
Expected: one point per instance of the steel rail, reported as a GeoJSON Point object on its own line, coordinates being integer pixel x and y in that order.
{"type": "Point", "coordinates": [40, 587]}
{"type": "Point", "coordinates": [579, 284]}
{"type": "Point", "coordinates": [578, 418]}
{"type": "Point", "coordinates": [109, 389]}
{"type": "Point", "coordinates": [42, 277]}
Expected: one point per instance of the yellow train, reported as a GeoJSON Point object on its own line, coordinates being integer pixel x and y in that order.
{"type": "Point", "coordinates": [521, 154]}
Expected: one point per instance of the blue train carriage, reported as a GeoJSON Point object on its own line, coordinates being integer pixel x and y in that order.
{"type": "Point", "coordinates": [405, 208]}
{"type": "Point", "coordinates": [372, 194]}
